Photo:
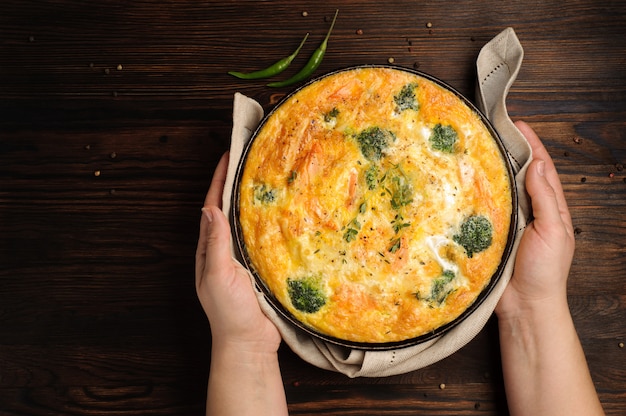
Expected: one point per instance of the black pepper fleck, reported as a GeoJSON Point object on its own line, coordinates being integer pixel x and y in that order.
{"type": "Point", "coordinates": [583, 179]}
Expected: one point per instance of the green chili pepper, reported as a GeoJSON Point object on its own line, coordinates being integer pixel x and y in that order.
{"type": "Point", "coordinates": [314, 62]}
{"type": "Point", "coordinates": [274, 69]}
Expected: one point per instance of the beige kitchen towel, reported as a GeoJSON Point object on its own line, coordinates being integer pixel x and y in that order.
{"type": "Point", "coordinates": [498, 64]}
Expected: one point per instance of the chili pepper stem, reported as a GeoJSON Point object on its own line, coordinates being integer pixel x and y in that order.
{"type": "Point", "coordinates": [332, 25]}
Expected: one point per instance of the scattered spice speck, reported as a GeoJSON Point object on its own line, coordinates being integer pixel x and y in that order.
{"type": "Point", "coordinates": [359, 31]}
{"type": "Point", "coordinates": [611, 175]}
{"type": "Point", "coordinates": [391, 60]}
{"type": "Point", "coordinates": [113, 155]}
{"type": "Point", "coordinates": [621, 345]}
{"type": "Point", "coordinates": [106, 71]}
{"type": "Point", "coordinates": [87, 147]}
{"type": "Point", "coordinates": [416, 65]}
{"type": "Point", "coordinates": [96, 173]}
{"type": "Point", "coordinates": [119, 67]}
{"type": "Point", "coordinates": [577, 140]}
{"type": "Point", "coordinates": [305, 14]}
{"type": "Point", "coordinates": [442, 386]}
{"type": "Point", "coordinates": [583, 179]}
{"type": "Point", "coordinates": [577, 230]}
{"type": "Point", "coordinates": [566, 153]}
{"type": "Point", "coordinates": [429, 25]}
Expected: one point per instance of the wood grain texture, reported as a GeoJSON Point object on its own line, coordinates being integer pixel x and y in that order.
{"type": "Point", "coordinates": [113, 115]}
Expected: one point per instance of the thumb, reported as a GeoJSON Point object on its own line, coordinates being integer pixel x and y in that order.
{"type": "Point", "coordinates": [542, 194]}
{"type": "Point", "coordinates": [218, 253]}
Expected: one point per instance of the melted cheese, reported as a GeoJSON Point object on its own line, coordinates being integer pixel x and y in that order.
{"type": "Point", "coordinates": [377, 234]}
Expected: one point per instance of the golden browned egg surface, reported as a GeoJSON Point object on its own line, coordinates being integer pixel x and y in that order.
{"type": "Point", "coordinates": [375, 205]}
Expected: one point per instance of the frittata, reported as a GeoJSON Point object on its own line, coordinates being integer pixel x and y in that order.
{"type": "Point", "coordinates": [375, 205]}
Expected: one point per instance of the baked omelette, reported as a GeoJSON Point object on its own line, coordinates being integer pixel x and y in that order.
{"type": "Point", "coordinates": [374, 205]}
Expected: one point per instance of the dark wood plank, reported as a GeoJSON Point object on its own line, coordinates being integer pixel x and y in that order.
{"type": "Point", "coordinates": [113, 116]}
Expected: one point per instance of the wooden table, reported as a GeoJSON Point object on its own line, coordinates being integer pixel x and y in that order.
{"type": "Point", "coordinates": [113, 115]}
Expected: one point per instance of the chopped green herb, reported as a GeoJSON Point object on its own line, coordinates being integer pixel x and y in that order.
{"type": "Point", "coordinates": [352, 230]}
{"type": "Point", "coordinates": [371, 177]}
{"type": "Point", "coordinates": [398, 223]}
{"type": "Point", "coordinates": [292, 176]}
{"type": "Point", "coordinates": [443, 138]}
{"type": "Point", "coordinates": [405, 99]}
{"type": "Point", "coordinates": [350, 234]}
{"type": "Point", "coordinates": [395, 245]}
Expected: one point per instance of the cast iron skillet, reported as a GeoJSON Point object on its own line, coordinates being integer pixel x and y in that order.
{"type": "Point", "coordinates": [243, 255]}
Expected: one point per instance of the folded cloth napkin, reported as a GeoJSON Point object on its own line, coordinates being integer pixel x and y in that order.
{"type": "Point", "coordinates": [497, 64]}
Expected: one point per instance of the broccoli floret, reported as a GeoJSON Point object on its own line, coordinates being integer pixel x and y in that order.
{"type": "Point", "coordinates": [443, 138]}
{"type": "Point", "coordinates": [401, 192]}
{"type": "Point", "coordinates": [440, 288]}
{"type": "Point", "coordinates": [406, 100]}
{"type": "Point", "coordinates": [264, 194]}
{"type": "Point", "coordinates": [373, 141]}
{"type": "Point", "coordinates": [332, 114]}
{"type": "Point", "coordinates": [475, 234]}
{"type": "Point", "coordinates": [306, 294]}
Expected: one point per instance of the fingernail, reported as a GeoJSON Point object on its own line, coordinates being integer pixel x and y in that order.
{"type": "Point", "coordinates": [208, 214]}
{"type": "Point", "coordinates": [541, 168]}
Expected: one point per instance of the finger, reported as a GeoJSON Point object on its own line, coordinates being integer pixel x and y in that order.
{"type": "Point", "coordinates": [218, 258]}
{"type": "Point", "coordinates": [542, 194]}
{"type": "Point", "coordinates": [551, 174]}
{"type": "Point", "coordinates": [214, 196]}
